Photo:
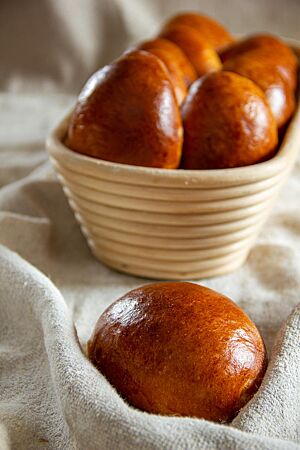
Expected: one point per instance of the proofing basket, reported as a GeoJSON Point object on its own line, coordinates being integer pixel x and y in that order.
{"type": "Point", "coordinates": [171, 224]}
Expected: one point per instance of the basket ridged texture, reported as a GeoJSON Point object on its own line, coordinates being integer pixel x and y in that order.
{"type": "Point", "coordinates": [171, 224]}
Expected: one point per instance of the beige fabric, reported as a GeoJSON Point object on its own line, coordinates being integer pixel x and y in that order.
{"type": "Point", "coordinates": [57, 44]}
{"type": "Point", "coordinates": [50, 396]}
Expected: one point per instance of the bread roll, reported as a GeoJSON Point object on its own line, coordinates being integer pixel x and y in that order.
{"type": "Point", "coordinates": [198, 50]}
{"type": "Point", "coordinates": [227, 123]}
{"type": "Point", "coordinates": [269, 49]}
{"type": "Point", "coordinates": [179, 349]}
{"type": "Point", "coordinates": [176, 54]}
{"type": "Point", "coordinates": [212, 31]}
{"type": "Point", "coordinates": [127, 113]}
{"type": "Point", "coordinates": [279, 95]}
{"type": "Point", "coordinates": [172, 65]}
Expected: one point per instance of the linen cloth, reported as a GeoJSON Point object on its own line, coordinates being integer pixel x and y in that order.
{"type": "Point", "coordinates": [52, 290]}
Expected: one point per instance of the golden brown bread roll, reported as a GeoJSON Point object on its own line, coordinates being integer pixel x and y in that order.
{"type": "Point", "coordinates": [179, 349]}
{"type": "Point", "coordinates": [279, 95]}
{"type": "Point", "coordinates": [172, 66]}
{"type": "Point", "coordinates": [198, 50]}
{"type": "Point", "coordinates": [211, 30]}
{"type": "Point", "coordinates": [127, 113]}
{"type": "Point", "coordinates": [176, 54]}
{"type": "Point", "coordinates": [227, 123]}
{"type": "Point", "coordinates": [269, 49]}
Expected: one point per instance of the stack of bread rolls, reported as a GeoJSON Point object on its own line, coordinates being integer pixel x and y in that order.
{"type": "Point", "coordinates": [191, 98]}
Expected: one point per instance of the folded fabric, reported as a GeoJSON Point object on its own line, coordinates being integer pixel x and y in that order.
{"type": "Point", "coordinates": [51, 395]}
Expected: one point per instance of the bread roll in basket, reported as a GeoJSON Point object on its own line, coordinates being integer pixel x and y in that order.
{"type": "Point", "coordinates": [171, 224]}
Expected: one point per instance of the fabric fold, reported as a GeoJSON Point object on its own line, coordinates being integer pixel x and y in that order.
{"type": "Point", "coordinates": [52, 395]}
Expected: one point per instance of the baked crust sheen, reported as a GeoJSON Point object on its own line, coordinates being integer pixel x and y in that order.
{"type": "Point", "coordinates": [227, 123]}
{"type": "Point", "coordinates": [179, 349]}
{"type": "Point", "coordinates": [128, 113]}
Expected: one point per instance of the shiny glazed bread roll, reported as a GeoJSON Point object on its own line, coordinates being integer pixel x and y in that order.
{"type": "Point", "coordinates": [179, 349]}
{"type": "Point", "coordinates": [279, 95]}
{"type": "Point", "coordinates": [227, 123]}
{"type": "Point", "coordinates": [127, 113]}
{"type": "Point", "coordinates": [212, 31]}
{"type": "Point", "coordinates": [196, 47]}
{"type": "Point", "coordinates": [269, 49]}
{"type": "Point", "coordinates": [172, 66]}
{"type": "Point", "coordinates": [175, 54]}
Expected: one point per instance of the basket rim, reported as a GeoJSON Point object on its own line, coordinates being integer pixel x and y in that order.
{"type": "Point", "coordinates": [56, 148]}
